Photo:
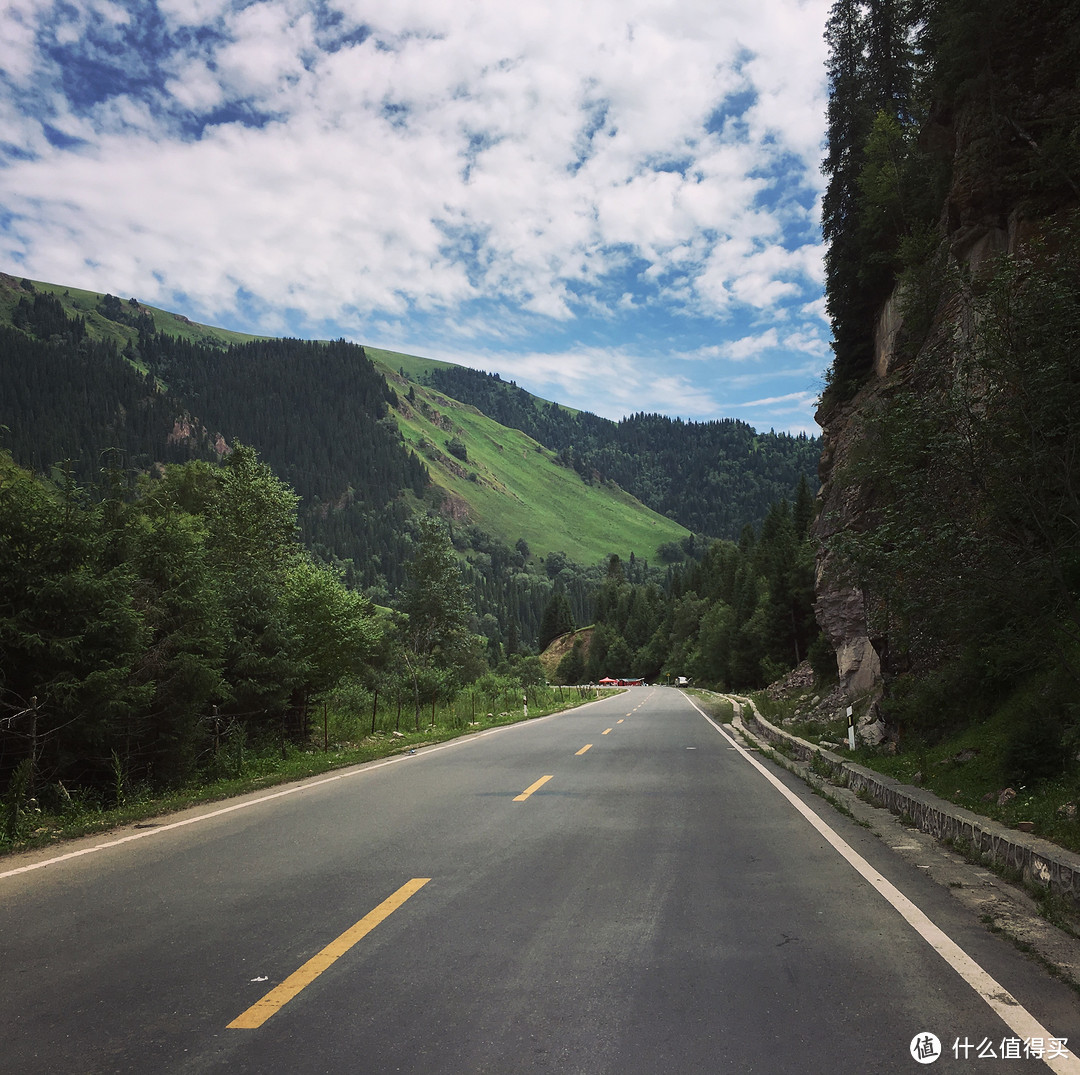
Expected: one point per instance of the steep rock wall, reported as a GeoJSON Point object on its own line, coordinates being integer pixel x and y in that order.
{"type": "Point", "coordinates": [1003, 137]}
{"type": "Point", "coordinates": [974, 230]}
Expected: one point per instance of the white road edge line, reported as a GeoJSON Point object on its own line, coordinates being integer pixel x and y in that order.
{"type": "Point", "coordinates": [360, 770]}
{"type": "Point", "coordinates": [1015, 1016]}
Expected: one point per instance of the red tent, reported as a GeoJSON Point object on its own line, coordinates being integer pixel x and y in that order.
{"type": "Point", "coordinates": [607, 681]}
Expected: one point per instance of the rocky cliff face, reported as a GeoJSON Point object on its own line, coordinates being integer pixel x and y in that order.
{"type": "Point", "coordinates": [840, 606]}
{"type": "Point", "coordinates": [950, 419]}
{"type": "Point", "coordinates": [978, 224]}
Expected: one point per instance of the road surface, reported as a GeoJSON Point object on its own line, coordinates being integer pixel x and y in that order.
{"type": "Point", "coordinates": [616, 889]}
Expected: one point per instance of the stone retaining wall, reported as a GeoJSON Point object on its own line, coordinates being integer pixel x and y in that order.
{"type": "Point", "coordinates": [1039, 861]}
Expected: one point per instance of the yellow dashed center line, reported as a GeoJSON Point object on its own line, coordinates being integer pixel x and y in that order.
{"type": "Point", "coordinates": [531, 788]}
{"type": "Point", "coordinates": [281, 994]}
{"type": "Point", "coordinates": [605, 731]}
{"type": "Point", "coordinates": [583, 749]}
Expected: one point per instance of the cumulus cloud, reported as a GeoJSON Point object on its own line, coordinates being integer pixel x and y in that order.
{"type": "Point", "coordinates": [751, 346]}
{"type": "Point", "coordinates": [412, 164]}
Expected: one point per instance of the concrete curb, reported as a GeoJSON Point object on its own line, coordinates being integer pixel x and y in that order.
{"type": "Point", "coordinates": [1038, 861]}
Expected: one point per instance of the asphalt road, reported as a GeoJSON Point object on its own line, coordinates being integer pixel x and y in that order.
{"type": "Point", "coordinates": [656, 905]}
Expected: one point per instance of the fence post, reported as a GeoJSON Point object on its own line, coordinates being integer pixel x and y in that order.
{"type": "Point", "coordinates": [31, 784]}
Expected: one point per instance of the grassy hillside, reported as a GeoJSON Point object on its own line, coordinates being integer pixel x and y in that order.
{"type": "Point", "coordinates": [561, 646]}
{"type": "Point", "coordinates": [84, 304]}
{"type": "Point", "coordinates": [512, 487]}
{"type": "Point", "coordinates": [509, 485]}
{"type": "Point", "coordinates": [418, 369]}
{"type": "Point", "coordinates": [397, 363]}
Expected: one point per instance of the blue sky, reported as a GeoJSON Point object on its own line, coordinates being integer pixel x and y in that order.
{"type": "Point", "coordinates": [615, 203]}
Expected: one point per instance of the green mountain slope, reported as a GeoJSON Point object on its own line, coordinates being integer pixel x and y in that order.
{"type": "Point", "coordinates": [713, 477]}
{"type": "Point", "coordinates": [88, 305]}
{"type": "Point", "coordinates": [513, 487]}
{"type": "Point", "coordinates": [291, 400]}
{"type": "Point", "coordinates": [113, 389]}
{"type": "Point", "coordinates": [410, 368]}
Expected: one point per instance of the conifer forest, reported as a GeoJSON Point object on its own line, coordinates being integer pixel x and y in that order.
{"type": "Point", "coordinates": [204, 543]}
{"type": "Point", "coordinates": [208, 544]}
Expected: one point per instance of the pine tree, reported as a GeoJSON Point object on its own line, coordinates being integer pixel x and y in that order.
{"type": "Point", "coordinates": [437, 612]}
{"type": "Point", "coordinates": [571, 668]}
{"type": "Point", "coordinates": [557, 620]}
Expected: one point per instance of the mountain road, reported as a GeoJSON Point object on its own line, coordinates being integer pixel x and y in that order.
{"type": "Point", "coordinates": [620, 888]}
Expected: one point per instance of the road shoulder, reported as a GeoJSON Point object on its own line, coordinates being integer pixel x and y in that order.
{"type": "Point", "coordinates": [1000, 906]}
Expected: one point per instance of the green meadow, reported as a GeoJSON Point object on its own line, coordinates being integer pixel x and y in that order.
{"type": "Point", "coordinates": [509, 485]}
{"type": "Point", "coordinates": [512, 487]}
{"type": "Point", "coordinates": [80, 303]}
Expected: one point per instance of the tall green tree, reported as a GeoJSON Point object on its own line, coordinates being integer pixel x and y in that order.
{"type": "Point", "coordinates": [849, 115]}
{"type": "Point", "coordinates": [437, 641]}
{"type": "Point", "coordinates": [877, 183]}
{"type": "Point", "coordinates": [252, 519]}
{"type": "Point", "coordinates": [557, 620]}
{"type": "Point", "coordinates": [70, 632]}
{"type": "Point", "coordinates": [571, 668]}
{"type": "Point", "coordinates": [183, 657]}
{"type": "Point", "coordinates": [336, 629]}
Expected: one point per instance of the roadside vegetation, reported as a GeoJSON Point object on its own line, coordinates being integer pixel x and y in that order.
{"type": "Point", "coordinates": [354, 726]}
{"type": "Point", "coordinates": [168, 639]}
{"type": "Point", "coordinates": [977, 767]}
{"type": "Point", "coordinates": [951, 506]}
{"type": "Point", "coordinates": [733, 617]}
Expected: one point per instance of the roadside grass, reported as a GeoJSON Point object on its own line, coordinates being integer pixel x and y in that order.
{"type": "Point", "coordinates": [717, 707]}
{"type": "Point", "coordinates": [238, 767]}
{"type": "Point", "coordinates": [967, 768]}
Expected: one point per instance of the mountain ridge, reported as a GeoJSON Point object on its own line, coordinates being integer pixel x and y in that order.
{"type": "Point", "coordinates": [76, 383]}
{"type": "Point", "coordinates": [603, 463]}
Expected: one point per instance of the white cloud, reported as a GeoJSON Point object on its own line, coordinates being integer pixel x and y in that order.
{"type": "Point", "coordinates": [809, 341]}
{"type": "Point", "coordinates": [113, 13]}
{"type": "Point", "coordinates": [751, 346]}
{"type": "Point", "coordinates": [265, 57]}
{"type": "Point", "coordinates": [815, 309]}
{"type": "Point", "coordinates": [17, 28]}
{"type": "Point", "coordinates": [196, 88]}
{"type": "Point", "coordinates": [478, 160]}
{"type": "Point", "coordinates": [193, 12]}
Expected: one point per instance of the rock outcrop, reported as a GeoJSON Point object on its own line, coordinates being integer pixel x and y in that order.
{"type": "Point", "coordinates": [978, 225]}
